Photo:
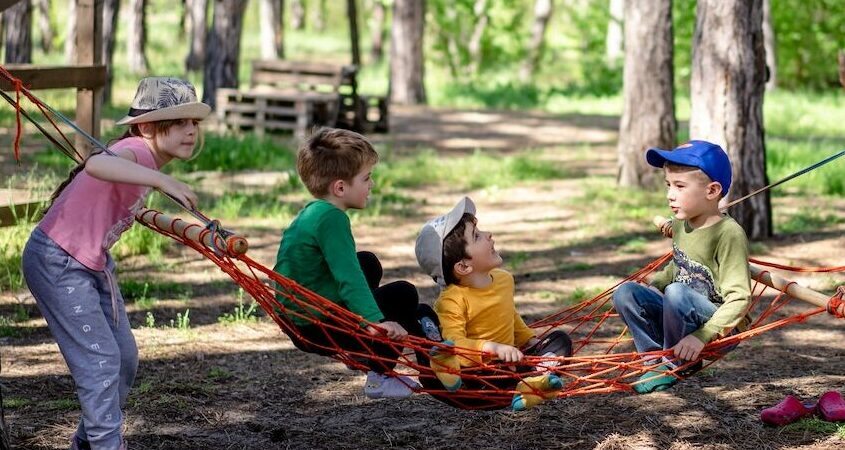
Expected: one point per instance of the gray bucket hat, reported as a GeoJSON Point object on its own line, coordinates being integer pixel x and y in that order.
{"type": "Point", "coordinates": [164, 98]}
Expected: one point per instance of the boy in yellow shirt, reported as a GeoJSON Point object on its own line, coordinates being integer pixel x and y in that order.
{"type": "Point", "coordinates": [476, 309]}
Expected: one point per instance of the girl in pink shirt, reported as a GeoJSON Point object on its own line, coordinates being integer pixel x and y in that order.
{"type": "Point", "coordinates": [66, 261]}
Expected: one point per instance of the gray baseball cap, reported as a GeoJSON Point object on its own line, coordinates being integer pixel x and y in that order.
{"type": "Point", "coordinates": [429, 247]}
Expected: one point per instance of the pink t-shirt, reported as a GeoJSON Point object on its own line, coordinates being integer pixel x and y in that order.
{"type": "Point", "coordinates": [90, 214]}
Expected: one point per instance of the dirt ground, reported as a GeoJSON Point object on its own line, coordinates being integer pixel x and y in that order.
{"type": "Point", "coordinates": [246, 387]}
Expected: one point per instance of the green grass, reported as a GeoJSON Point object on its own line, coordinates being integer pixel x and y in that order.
{"type": "Point", "coordinates": [818, 426]}
{"type": "Point", "coordinates": [146, 293]}
{"type": "Point", "coordinates": [808, 219]}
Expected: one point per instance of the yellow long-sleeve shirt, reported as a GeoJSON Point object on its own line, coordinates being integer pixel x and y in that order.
{"type": "Point", "coordinates": [471, 316]}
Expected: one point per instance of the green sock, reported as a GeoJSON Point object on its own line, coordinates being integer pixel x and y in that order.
{"type": "Point", "coordinates": [444, 364]}
{"type": "Point", "coordinates": [655, 380]}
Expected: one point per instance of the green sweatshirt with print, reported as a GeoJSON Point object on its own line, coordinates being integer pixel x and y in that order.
{"type": "Point", "coordinates": [713, 261]}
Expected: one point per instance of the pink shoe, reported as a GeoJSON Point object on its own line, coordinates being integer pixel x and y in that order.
{"type": "Point", "coordinates": [832, 407]}
{"type": "Point", "coordinates": [787, 411]}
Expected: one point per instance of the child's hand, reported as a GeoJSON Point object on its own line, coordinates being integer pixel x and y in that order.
{"type": "Point", "coordinates": [178, 190]}
{"type": "Point", "coordinates": [506, 353]}
{"type": "Point", "coordinates": [393, 330]}
{"type": "Point", "coordinates": [688, 348]}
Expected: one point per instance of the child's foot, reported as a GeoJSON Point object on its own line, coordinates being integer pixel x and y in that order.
{"type": "Point", "coordinates": [533, 390]}
{"type": "Point", "coordinates": [655, 380]}
{"type": "Point", "coordinates": [443, 364]}
{"type": "Point", "coordinates": [382, 386]}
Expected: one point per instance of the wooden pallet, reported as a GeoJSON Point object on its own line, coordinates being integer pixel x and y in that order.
{"type": "Point", "coordinates": [262, 110]}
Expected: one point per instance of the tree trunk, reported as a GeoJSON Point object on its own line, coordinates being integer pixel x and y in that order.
{"type": "Point", "coordinates": [352, 15]}
{"type": "Point", "coordinates": [272, 31]}
{"type": "Point", "coordinates": [136, 37]}
{"type": "Point", "coordinates": [223, 48]}
{"type": "Point", "coordinates": [542, 13]}
{"type": "Point", "coordinates": [770, 42]}
{"type": "Point", "coordinates": [728, 70]}
{"type": "Point", "coordinates": [614, 43]}
{"type": "Point", "coordinates": [648, 112]}
{"type": "Point", "coordinates": [842, 68]}
{"type": "Point", "coordinates": [17, 22]}
{"type": "Point", "coordinates": [377, 31]}
{"type": "Point", "coordinates": [198, 22]}
{"type": "Point", "coordinates": [111, 11]}
{"type": "Point", "coordinates": [70, 34]}
{"type": "Point", "coordinates": [297, 14]}
{"type": "Point", "coordinates": [320, 16]}
{"type": "Point", "coordinates": [407, 71]}
{"type": "Point", "coordinates": [45, 25]}
{"type": "Point", "coordinates": [474, 46]}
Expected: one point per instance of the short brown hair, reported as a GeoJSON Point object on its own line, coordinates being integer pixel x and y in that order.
{"type": "Point", "coordinates": [332, 154]}
{"type": "Point", "coordinates": [680, 168]}
{"type": "Point", "coordinates": [455, 248]}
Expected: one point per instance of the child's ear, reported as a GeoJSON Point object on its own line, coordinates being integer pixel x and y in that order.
{"type": "Point", "coordinates": [146, 129]}
{"type": "Point", "coordinates": [714, 190]}
{"type": "Point", "coordinates": [463, 268]}
{"type": "Point", "coordinates": [337, 188]}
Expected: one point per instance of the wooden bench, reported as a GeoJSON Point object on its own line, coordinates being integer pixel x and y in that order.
{"type": "Point", "coordinates": [295, 95]}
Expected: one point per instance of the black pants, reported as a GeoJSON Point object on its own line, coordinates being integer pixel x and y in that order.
{"type": "Point", "coordinates": [398, 302]}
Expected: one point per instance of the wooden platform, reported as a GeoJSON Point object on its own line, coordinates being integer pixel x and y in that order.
{"type": "Point", "coordinates": [18, 205]}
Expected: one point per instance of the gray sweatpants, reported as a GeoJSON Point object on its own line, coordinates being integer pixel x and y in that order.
{"type": "Point", "coordinates": [85, 312]}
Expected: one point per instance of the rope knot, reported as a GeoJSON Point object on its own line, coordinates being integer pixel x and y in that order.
{"type": "Point", "coordinates": [834, 306]}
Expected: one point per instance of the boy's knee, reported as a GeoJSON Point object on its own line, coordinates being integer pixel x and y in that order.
{"type": "Point", "coordinates": [674, 296]}
{"type": "Point", "coordinates": [406, 290]}
{"type": "Point", "coordinates": [623, 296]}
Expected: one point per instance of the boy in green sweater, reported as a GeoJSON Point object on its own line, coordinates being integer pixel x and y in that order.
{"type": "Point", "coordinates": [318, 252]}
{"type": "Point", "coordinates": [703, 294]}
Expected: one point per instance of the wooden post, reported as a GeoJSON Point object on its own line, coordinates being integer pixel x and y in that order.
{"type": "Point", "coordinates": [89, 52]}
{"type": "Point", "coordinates": [352, 12]}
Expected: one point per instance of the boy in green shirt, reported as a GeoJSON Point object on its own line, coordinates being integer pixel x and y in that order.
{"type": "Point", "coordinates": [318, 252]}
{"type": "Point", "coordinates": [704, 292]}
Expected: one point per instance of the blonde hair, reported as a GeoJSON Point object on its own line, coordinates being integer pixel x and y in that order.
{"type": "Point", "coordinates": [161, 127]}
{"type": "Point", "coordinates": [332, 154]}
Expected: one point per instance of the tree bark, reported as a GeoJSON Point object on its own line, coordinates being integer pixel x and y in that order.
{"type": "Point", "coordinates": [648, 113]}
{"type": "Point", "coordinates": [223, 48]}
{"type": "Point", "coordinates": [297, 14]}
{"type": "Point", "coordinates": [377, 31]}
{"type": "Point", "coordinates": [17, 23]}
{"type": "Point", "coordinates": [542, 13]}
{"type": "Point", "coordinates": [728, 70]}
{"type": "Point", "coordinates": [614, 43]}
{"type": "Point", "coordinates": [70, 34]}
{"type": "Point", "coordinates": [770, 42]}
{"type": "Point", "coordinates": [136, 37]}
{"type": "Point", "coordinates": [352, 15]}
{"type": "Point", "coordinates": [111, 11]}
{"type": "Point", "coordinates": [320, 16]}
{"type": "Point", "coordinates": [198, 22]}
{"type": "Point", "coordinates": [474, 46]}
{"type": "Point", "coordinates": [407, 71]}
{"type": "Point", "coordinates": [45, 25]}
{"type": "Point", "coordinates": [842, 68]}
{"type": "Point", "coordinates": [272, 31]}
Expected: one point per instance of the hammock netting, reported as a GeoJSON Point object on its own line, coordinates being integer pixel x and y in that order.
{"type": "Point", "coordinates": [602, 361]}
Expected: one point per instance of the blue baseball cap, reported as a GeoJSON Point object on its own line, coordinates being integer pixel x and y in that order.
{"type": "Point", "coordinates": [707, 156]}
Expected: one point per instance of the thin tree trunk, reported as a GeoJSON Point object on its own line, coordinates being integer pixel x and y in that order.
{"type": "Point", "coordinates": [728, 70]}
{"type": "Point", "coordinates": [474, 46]}
{"type": "Point", "coordinates": [70, 34]}
{"type": "Point", "coordinates": [542, 13]}
{"type": "Point", "coordinates": [136, 40]}
{"type": "Point", "coordinates": [352, 15]}
{"type": "Point", "coordinates": [272, 31]}
{"type": "Point", "coordinates": [223, 48]}
{"type": "Point", "coordinates": [614, 43]}
{"type": "Point", "coordinates": [111, 12]}
{"type": "Point", "coordinates": [17, 22]}
{"type": "Point", "coordinates": [320, 16]}
{"type": "Point", "coordinates": [297, 14]}
{"type": "Point", "coordinates": [648, 113]}
{"type": "Point", "coordinates": [407, 71]}
{"type": "Point", "coordinates": [842, 68]}
{"type": "Point", "coordinates": [45, 25]}
{"type": "Point", "coordinates": [770, 42]}
{"type": "Point", "coordinates": [377, 31]}
{"type": "Point", "coordinates": [197, 11]}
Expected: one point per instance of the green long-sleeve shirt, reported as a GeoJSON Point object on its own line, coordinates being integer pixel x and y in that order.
{"type": "Point", "coordinates": [318, 252]}
{"type": "Point", "coordinates": [713, 261]}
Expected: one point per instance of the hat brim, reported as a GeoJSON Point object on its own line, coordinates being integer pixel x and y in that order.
{"type": "Point", "coordinates": [194, 110]}
{"type": "Point", "coordinates": [657, 157]}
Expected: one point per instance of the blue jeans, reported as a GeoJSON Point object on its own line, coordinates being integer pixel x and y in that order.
{"type": "Point", "coordinates": [659, 321]}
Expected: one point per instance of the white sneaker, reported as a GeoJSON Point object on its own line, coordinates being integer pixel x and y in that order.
{"type": "Point", "coordinates": [383, 386]}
